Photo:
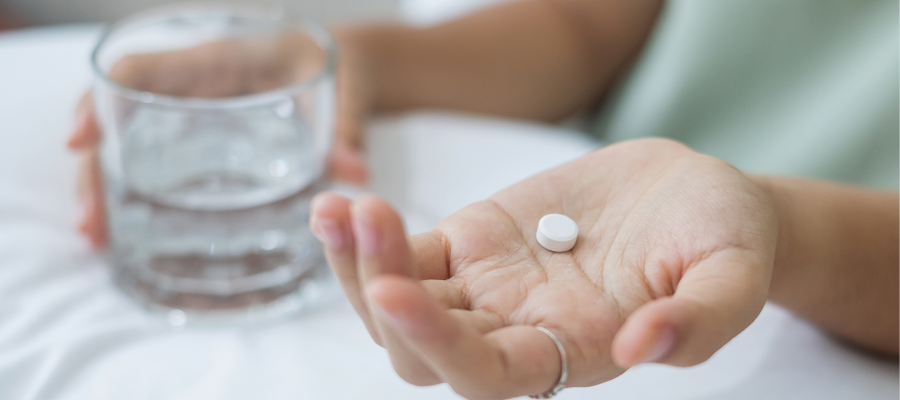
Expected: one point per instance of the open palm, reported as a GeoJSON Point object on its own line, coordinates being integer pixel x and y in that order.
{"type": "Point", "coordinates": [673, 259]}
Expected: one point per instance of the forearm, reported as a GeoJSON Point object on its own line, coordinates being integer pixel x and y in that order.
{"type": "Point", "coordinates": [837, 259]}
{"type": "Point", "coordinates": [535, 59]}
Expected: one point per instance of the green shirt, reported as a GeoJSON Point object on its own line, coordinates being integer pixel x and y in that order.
{"type": "Point", "coordinates": [783, 87]}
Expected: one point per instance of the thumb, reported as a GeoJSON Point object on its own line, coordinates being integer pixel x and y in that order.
{"type": "Point", "coordinates": [715, 300]}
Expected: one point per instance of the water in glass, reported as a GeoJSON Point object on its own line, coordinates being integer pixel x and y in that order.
{"type": "Point", "coordinates": [212, 208]}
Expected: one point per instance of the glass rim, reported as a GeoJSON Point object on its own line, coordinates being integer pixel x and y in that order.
{"type": "Point", "coordinates": [276, 13]}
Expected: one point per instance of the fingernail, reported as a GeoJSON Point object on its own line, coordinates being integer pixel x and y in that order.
{"type": "Point", "coordinates": [367, 235]}
{"type": "Point", "coordinates": [329, 233]}
{"type": "Point", "coordinates": [662, 345]}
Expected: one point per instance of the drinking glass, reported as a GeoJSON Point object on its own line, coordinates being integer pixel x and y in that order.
{"type": "Point", "coordinates": [217, 122]}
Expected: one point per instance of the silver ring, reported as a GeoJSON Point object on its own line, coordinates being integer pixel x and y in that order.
{"type": "Point", "coordinates": [561, 383]}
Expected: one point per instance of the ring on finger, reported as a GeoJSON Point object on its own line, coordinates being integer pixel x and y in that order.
{"type": "Point", "coordinates": [563, 374]}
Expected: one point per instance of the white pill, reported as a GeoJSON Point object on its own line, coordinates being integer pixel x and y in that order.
{"type": "Point", "coordinates": [557, 232]}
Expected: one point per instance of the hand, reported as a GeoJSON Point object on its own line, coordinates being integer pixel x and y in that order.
{"type": "Point", "coordinates": [226, 68]}
{"type": "Point", "coordinates": [673, 259]}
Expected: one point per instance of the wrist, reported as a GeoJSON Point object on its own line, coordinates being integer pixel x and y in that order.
{"type": "Point", "coordinates": [783, 269]}
{"type": "Point", "coordinates": [836, 258]}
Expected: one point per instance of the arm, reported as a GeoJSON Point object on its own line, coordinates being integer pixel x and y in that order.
{"type": "Point", "coordinates": [837, 259]}
{"type": "Point", "coordinates": [534, 59]}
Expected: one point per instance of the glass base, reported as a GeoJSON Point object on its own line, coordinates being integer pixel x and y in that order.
{"type": "Point", "coordinates": [314, 287]}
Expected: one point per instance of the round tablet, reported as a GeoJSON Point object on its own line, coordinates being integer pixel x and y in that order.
{"type": "Point", "coordinates": [557, 232]}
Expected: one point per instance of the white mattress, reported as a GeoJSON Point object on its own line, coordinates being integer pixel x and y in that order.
{"type": "Point", "coordinates": [67, 333]}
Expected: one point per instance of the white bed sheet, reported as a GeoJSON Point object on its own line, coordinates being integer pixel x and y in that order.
{"type": "Point", "coordinates": [66, 333]}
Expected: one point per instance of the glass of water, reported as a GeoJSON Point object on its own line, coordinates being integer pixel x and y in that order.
{"type": "Point", "coordinates": [217, 124]}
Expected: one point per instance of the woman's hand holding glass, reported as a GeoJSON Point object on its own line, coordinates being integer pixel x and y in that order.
{"type": "Point", "coordinates": [674, 259]}
{"type": "Point", "coordinates": [223, 69]}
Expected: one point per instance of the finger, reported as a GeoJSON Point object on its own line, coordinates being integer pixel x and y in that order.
{"type": "Point", "coordinates": [348, 160]}
{"type": "Point", "coordinates": [512, 361]}
{"type": "Point", "coordinates": [483, 322]}
{"type": "Point", "coordinates": [94, 226]}
{"type": "Point", "coordinates": [349, 127]}
{"type": "Point", "coordinates": [348, 164]}
{"type": "Point", "coordinates": [330, 222]}
{"type": "Point", "coordinates": [429, 252]}
{"type": "Point", "coordinates": [94, 221]}
{"type": "Point", "coordinates": [85, 130]}
{"type": "Point", "coordinates": [448, 293]}
{"type": "Point", "coordinates": [715, 300]}
{"type": "Point", "coordinates": [85, 173]}
{"type": "Point", "coordinates": [352, 101]}
{"type": "Point", "coordinates": [382, 249]}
